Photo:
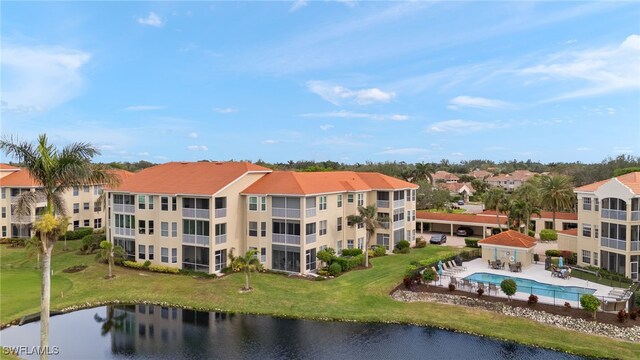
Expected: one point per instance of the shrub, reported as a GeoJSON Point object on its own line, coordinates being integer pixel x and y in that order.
{"type": "Point", "coordinates": [348, 263]}
{"type": "Point", "coordinates": [199, 274]}
{"type": "Point", "coordinates": [552, 253]}
{"type": "Point", "coordinates": [78, 234]}
{"type": "Point", "coordinates": [590, 303]}
{"type": "Point", "coordinates": [371, 253]}
{"type": "Point", "coordinates": [163, 269]}
{"type": "Point", "coordinates": [133, 265]}
{"type": "Point", "coordinates": [533, 299]}
{"type": "Point", "coordinates": [634, 314]}
{"type": "Point", "coordinates": [429, 275]}
{"type": "Point", "coordinates": [531, 233]}
{"type": "Point", "coordinates": [471, 242]}
{"type": "Point", "coordinates": [536, 257]}
{"type": "Point", "coordinates": [452, 287]}
{"type": "Point", "coordinates": [18, 242]}
{"type": "Point", "coordinates": [548, 234]}
{"type": "Point", "coordinates": [74, 269]}
{"type": "Point", "coordinates": [351, 252]}
{"type": "Point", "coordinates": [407, 282]}
{"type": "Point", "coordinates": [509, 287]}
{"type": "Point", "coordinates": [146, 264]}
{"type": "Point", "coordinates": [335, 269]}
{"type": "Point", "coordinates": [410, 271]}
{"type": "Point", "coordinates": [327, 255]}
{"type": "Point", "coordinates": [420, 243]}
{"type": "Point", "coordinates": [622, 315]}
{"type": "Point", "coordinates": [324, 271]}
{"type": "Point", "coordinates": [401, 251]}
{"type": "Point", "coordinates": [380, 251]}
{"type": "Point", "coordinates": [403, 244]}
{"type": "Point", "coordinates": [480, 292]}
{"type": "Point", "coordinates": [567, 305]}
{"type": "Point", "coordinates": [91, 243]}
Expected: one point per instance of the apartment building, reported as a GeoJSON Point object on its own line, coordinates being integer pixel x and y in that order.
{"type": "Point", "coordinates": [608, 234]}
{"type": "Point", "coordinates": [82, 205]}
{"type": "Point", "coordinates": [442, 176]}
{"type": "Point", "coordinates": [205, 210]}
{"type": "Point", "coordinates": [510, 181]}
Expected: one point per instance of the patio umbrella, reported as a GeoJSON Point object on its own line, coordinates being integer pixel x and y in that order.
{"type": "Point", "coordinates": [561, 262]}
{"type": "Point", "coordinates": [495, 253]}
{"type": "Point", "coordinates": [440, 267]}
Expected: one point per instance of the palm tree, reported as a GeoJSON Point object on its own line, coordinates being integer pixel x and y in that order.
{"type": "Point", "coordinates": [247, 264]}
{"type": "Point", "coordinates": [55, 171]}
{"type": "Point", "coordinates": [529, 194]}
{"type": "Point", "coordinates": [111, 321]}
{"type": "Point", "coordinates": [368, 217]}
{"type": "Point", "coordinates": [556, 193]}
{"type": "Point", "coordinates": [424, 171]}
{"type": "Point", "coordinates": [496, 198]}
{"type": "Point", "coordinates": [33, 248]}
{"type": "Point", "coordinates": [110, 252]}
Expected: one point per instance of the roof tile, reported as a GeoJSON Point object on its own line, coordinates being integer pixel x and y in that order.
{"type": "Point", "coordinates": [510, 238]}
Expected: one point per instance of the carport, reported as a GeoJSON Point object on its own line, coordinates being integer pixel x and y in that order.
{"type": "Point", "coordinates": [449, 223]}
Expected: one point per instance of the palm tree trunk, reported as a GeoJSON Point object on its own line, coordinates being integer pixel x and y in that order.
{"type": "Point", "coordinates": [110, 265]}
{"type": "Point", "coordinates": [246, 280]}
{"type": "Point", "coordinates": [366, 251]}
{"type": "Point", "coordinates": [45, 300]}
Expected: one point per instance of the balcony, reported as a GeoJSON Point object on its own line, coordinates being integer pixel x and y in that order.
{"type": "Point", "coordinates": [195, 213]}
{"type": "Point", "coordinates": [310, 212]}
{"type": "Point", "coordinates": [220, 213]}
{"type": "Point", "coordinates": [310, 238]}
{"type": "Point", "coordinates": [384, 224]}
{"type": "Point", "coordinates": [613, 214]}
{"type": "Point", "coordinates": [24, 219]}
{"type": "Point", "coordinates": [635, 246]}
{"type": "Point", "coordinates": [285, 239]}
{"type": "Point", "coordinates": [123, 208]}
{"type": "Point", "coordinates": [195, 239]}
{"type": "Point", "coordinates": [635, 215]}
{"type": "Point", "coordinates": [221, 239]}
{"type": "Point", "coordinates": [285, 213]}
{"type": "Point", "coordinates": [398, 224]}
{"type": "Point", "coordinates": [613, 243]}
{"type": "Point", "coordinates": [382, 204]}
{"type": "Point", "coordinates": [398, 203]}
{"type": "Point", "coordinates": [125, 232]}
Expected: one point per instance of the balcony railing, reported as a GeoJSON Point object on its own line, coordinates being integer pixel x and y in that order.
{"type": "Point", "coordinates": [310, 212]}
{"type": "Point", "coordinates": [613, 243]}
{"type": "Point", "coordinates": [310, 238]}
{"type": "Point", "coordinates": [613, 214]}
{"type": "Point", "coordinates": [220, 213]}
{"type": "Point", "coordinates": [125, 232]}
{"type": "Point", "coordinates": [635, 246]}
{"type": "Point", "coordinates": [384, 224]}
{"type": "Point", "coordinates": [285, 213]}
{"type": "Point", "coordinates": [635, 215]}
{"type": "Point", "coordinates": [195, 239]}
{"type": "Point", "coordinates": [383, 204]}
{"type": "Point", "coordinates": [221, 239]}
{"type": "Point", "coordinates": [398, 224]}
{"type": "Point", "coordinates": [286, 239]}
{"type": "Point", "coordinates": [123, 208]}
{"type": "Point", "coordinates": [398, 203]}
{"type": "Point", "coordinates": [195, 213]}
{"type": "Point", "coordinates": [24, 219]}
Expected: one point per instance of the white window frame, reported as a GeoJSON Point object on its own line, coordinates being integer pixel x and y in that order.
{"type": "Point", "coordinates": [164, 229]}
{"type": "Point", "coordinates": [360, 197]}
{"type": "Point", "coordinates": [586, 230]}
{"type": "Point", "coordinates": [322, 228]}
{"type": "Point", "coordinates": [253, 203]}
{"type": "Point", "coordinates": [339, 201]}
{"type": "Point", "coordinates": [586, 256]}
{"type": "Point", "coordinates": [322, 203]}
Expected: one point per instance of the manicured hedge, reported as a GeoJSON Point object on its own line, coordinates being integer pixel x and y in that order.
{"type": "Point", "coordinates": [420, 243]}
{"type": "Point", "coordinates": [552, 253]}
{"type": "Point", "coordinates": [133, 264]}
{"type": "Point", "coordinates": [380, 251]}
{"type": "Point", "coordinates": [164, 269]}
{"type": "Point", "coordinates": [78, 234]}
{"type": "Point", "coordinates": [351, 252]}
{"type": "Point", "coordinates": [403, 244]}
{"type": "Point", "coordinates": [548, 234]}
{"type": "Point", "coordinates": [348, 263]}
{"type": "Point", "coordinates": [471, 242]}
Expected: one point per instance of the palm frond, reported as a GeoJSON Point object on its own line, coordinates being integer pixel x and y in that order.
{"type": "Point", "coordinates": [58, 204]}
{"type": "Point", "coordinates": [22, 151]}
{"type": "Point", "coordinates": [27, 201]}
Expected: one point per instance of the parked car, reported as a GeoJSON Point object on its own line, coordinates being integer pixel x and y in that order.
{"type": "Point", "coordinates": [460, 202]}
{"type": "Point", "coordinates": [464, 231]}
{"type": "Point", "coordinates": [438, 239]}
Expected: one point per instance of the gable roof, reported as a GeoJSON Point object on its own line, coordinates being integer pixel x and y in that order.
{"type": "Point", "coordinates": [480, 174]}
{"type": "Point", "coordinates": [444, 175]}
{"type": "Point", "coordinates": [455, 187]}
{"type": "Point", "coordinates": [307, 183]}
{"type": "Point", "coordinates": [630, 180]}
{"type": "Point", "coordinates": [20, 178]}
{"type": "Point", "coordinates": [8, 167]}
{"type": "Point", "coordinates": [188, 177]}
{"type": "Point", "coordinates": [510, 238]}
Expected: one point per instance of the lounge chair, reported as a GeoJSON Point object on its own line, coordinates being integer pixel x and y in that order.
{"type": "Point", "coordinates": [453, 264]}
{"type": "Point", "coordinates": [449, 269]}
{"type": "Point", "coordinates": [494, 288]}
{"type": "Point", "coordinates": [490, 264]}
{"type": "Point", "coordinates": [502, 266]}
{"type": "Point", "coordinates": [618, 293]}
{"type": "Point", "coordinates": [467, 283]}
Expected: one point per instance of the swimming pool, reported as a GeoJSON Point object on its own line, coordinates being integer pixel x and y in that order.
{"type": "Point", "coordinates": [572, 293]}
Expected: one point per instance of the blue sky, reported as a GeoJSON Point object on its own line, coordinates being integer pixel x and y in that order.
{"type": "Point", "coordinates": [344, 81]}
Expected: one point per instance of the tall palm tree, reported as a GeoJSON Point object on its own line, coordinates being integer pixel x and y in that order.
{"type": "Point", "coordinates": [247, 264]}
{"type": "Point", "coordinates": [55, 171]}
{"type": "Point", "coordinates": [556, 193]}
{"type": "Point", "coordinates": [496, 199]}
{"type": "Point", "coordinates": [368, 217]}
{"type": "Point", "coordinates": [424, 172]}
{"type": "Point", "coordinates": [529, 194]}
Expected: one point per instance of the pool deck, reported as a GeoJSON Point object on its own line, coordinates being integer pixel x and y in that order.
{"type": "Point", "coordinates": [535, 272]}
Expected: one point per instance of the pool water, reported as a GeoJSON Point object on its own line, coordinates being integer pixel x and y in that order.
{"type": "Point", "coordinates": [572, 293]}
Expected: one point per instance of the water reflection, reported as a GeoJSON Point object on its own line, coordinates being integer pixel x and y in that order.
{"type": "Point", "coordinates": [155, 332]}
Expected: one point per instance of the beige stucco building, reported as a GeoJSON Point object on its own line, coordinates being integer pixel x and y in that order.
{"type": "Point", "coordinates": [510, 247]}
{"type": "Point", "coordinates": [192, 215]}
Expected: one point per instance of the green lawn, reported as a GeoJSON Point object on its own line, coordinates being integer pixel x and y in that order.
{"type": "Point", "coordinates": [359, 295]}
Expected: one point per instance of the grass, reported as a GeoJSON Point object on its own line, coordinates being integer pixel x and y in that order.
{"type": "Point", "coordinates": [577, 273]}
{"type": "Point", "coordinates": [361, 295]}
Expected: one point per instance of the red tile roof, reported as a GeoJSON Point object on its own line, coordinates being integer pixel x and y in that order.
{"type": "Point", "coordinates": [572, 232]}
{"type": "Point", "coordinates": [20, 178]}
{"type": "Point", "coordinates": [543, 215]}
{"type": "Point", "coordinates": [510, 238]}
{"type": "Point", "coordinates": [444, 175]}
{"type": "Point", "coordinates": [480, 174]}
{"type": "Point", "coordinates": [306, 183]}
{"type": "Point", "coordinates": [8, 167]}
{"type": "Point", "coordinates": [455, 187]}
{"type": "Point", "coordinates": [630, 180]}
{"type": "Point", "coordinates": [204, 177]}
{"type": "Point", "coordinates": [466, 218]}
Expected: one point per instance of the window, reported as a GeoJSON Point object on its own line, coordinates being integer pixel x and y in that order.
{"type": "Point", "coordinates": [339, 221]}
{"type": "Point", "coordinates": [75, 191]}
{"type": "Point", "coordinates": [142, 227]}
{"type": "Point", "coordinates": [150, 202]}
{"type": "Point", "coordinates": [220, 259]}
{"type": "Point", "coordinates": [310, 256]}
{"type": "Point", "coordinates": [164, 229]}
{"type": "Point", "coordinates": [360, 225]}
{"type": "Point", "coordinates": [263, 229]}
{"type": "Point", "coordinates": [141, 202]}
{"type": "Point", "coordinates": [85, 188]}
{"type": "Point", "coordinates": [150, 227]}
{"type": "Point", "coordinates": [97, 190]}
{"type": "Point", "coordinates": [150, 252]}
{"type": "Point", "coordinates": [263, 203]}
{"type": "Point", "coordinates": [97, 223]}
{"type": "Point", "coordinates": [253, 203]}
{"type": "Point", "coordinates": [4, 212]}
{"type": "Point", "coordinates": [339, 200]}
{"type": "Point", "coordinates": [310, 229]}
{"type": "Point", "coordinates": [586, 256]}
{"type": "Point", "coordinates": [586, 203]}
{"type": "Point", "coordinates": [86, 223]}
{"type": "Point", "coordinates": [323, 228]}
{"type": "Point", "coordinates": [595, 253]}
{"type": "Point", "coordinates": [350, 244]}
{"type": "Point", "coordinates": [408, 215]}
{"type": "Point", "coordinates": [360, 199]}
{"type": "Point", "coordinates": [174, 203]}
{"type": "Point", "coordinates": [4, 193]}
{"type": "Point", "coordinates": [174, 255]}
{"type": "Point", "coordinates": [586, 230]}
{"type": "Point", "coordinates": [164, 255]}
{"type": "Point", "coordinates": [548, 224]}
{"type": "Point", "coordinates": [164, 203]}
{"type": "Point", "coordinates": [4, 231]}
{"type": "Point", "coordinates": [253, 228]}
{"type": "Point", "coordinates": [360, 243]}
{"type": "Point", "coordinates": [97, 206]}
{"type": "Point", "coordinates": [413, 216]}
{"type": "Point", "coordinates": [141, 252]}
{"type": "Point", "coordinates": [339, 246]}
{"type": "Point", "coordinates": [383, 240]}
{"type": "Point", "coordinates": [595, 231]}
{"type": "Point", "coordinates": [413, 195]}
{"type": "Point", "coordinates": [174, 229]}
{"type": "Point", "coordinates": [76, 224]}
{"type": "Point", "coordinates": [195, 258]}
{"type": "Point", "coordinates": [85, 206]}
{"type": "Point", "coordinates": [76, 208]}
{"type": "Point", "coordinates": [597, 208]}
{"type": "Point", "coordinates": [350, 198]}
{"type": "Point", "coordinates": [263, 255]}
{"type": "Point", "coordinates": [322, 203]}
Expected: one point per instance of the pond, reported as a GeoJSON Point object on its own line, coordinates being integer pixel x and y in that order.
{"type": "Point", "coordinates": [154, 332]}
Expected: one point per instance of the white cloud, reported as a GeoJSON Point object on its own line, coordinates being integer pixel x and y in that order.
{"type": "Point", "coordinates": [605, 70]}
{"type": "Point", "coordinates": [460, 126]}
{"type": "Point", "coordinates": [144, 153]}
{"type": "Point", "coordinates": [623, 150]}
{"type": "Point", "coordinates": [143, 107]}
{"type": "Point", "coordinates": [403, 151]}
{"type": "Point", "coordinates": [570, 41]}
{"type": "Point", "coordinates": [326, 127]}
{"type": "Point", "coordinates": [297, 5]}
{"type": "Point", "coordinates": [337, 94]}
{"type": "Point", "coordinates": [226, 110]}
{"type": "Point", "coordinates": [197, 148]}
{"type": "Point", "coordinates": [583, 149]}
{"type": "Point", "coordinates": [344, 114]}
{"type": "Point", "coordinates": [39, 78]}
{"type": "Point", "coordinates": [152, 20]}
{"type": "Point", "coordinates": [457, 154]}
{"type": "Point", "coordinates": [193, 135]}
{"type": "Point", "coordinates": [477, 102]}
{"type": "Point", "coordinates": [270, 142]}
